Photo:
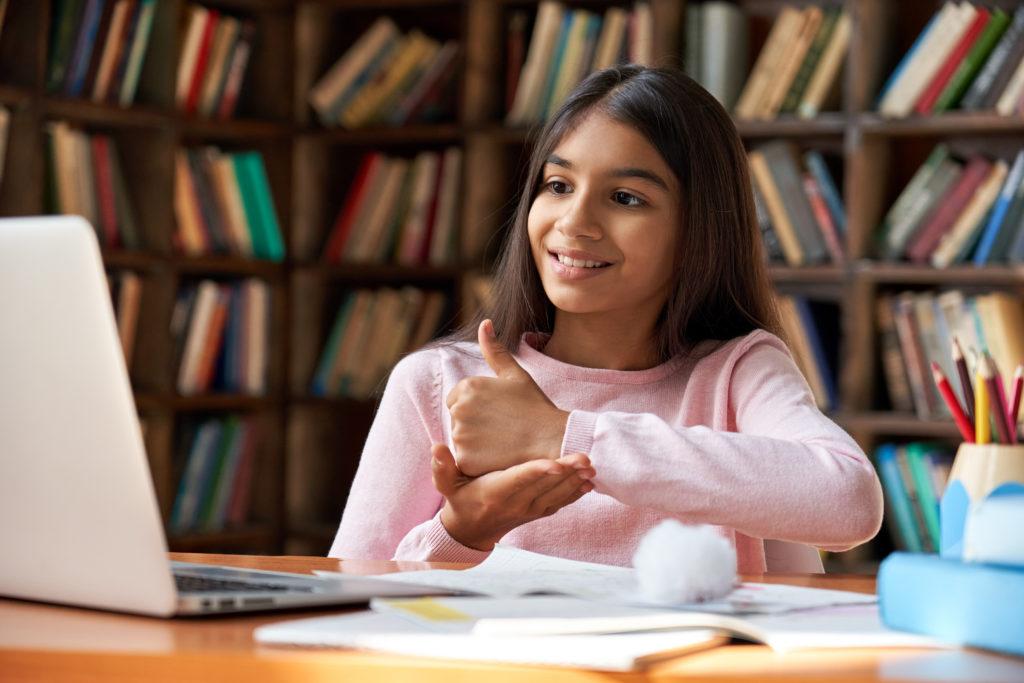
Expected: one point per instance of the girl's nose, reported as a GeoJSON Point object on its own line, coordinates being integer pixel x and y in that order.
{"type": "Point", "coordinates": [579, 221]}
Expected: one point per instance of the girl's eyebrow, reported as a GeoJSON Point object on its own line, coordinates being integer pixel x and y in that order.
{"type": "Point", "coordinates": [628, 172]}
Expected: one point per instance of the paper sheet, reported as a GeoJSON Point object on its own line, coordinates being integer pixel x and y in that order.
{"type": "Point", "coordinates": [510, 572]}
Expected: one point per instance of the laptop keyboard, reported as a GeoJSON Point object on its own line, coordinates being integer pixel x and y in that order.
{"type": "Point", "coordinates": [202, 584]}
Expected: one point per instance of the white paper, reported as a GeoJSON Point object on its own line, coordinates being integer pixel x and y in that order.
{"type": "Point", "coordinates": [390, 633]}
{"type": "Point", "coordinates": [510, 572]}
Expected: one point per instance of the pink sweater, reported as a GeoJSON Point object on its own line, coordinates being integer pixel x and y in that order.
{"type": "Point", "coordinates": [733, 439]}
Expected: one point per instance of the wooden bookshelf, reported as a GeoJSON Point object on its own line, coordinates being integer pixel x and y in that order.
{"type": "Point", "coordinates": [311, 445]}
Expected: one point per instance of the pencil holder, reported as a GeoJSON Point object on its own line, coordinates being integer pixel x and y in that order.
{"type": "Point", "coordinates": [979, 471]}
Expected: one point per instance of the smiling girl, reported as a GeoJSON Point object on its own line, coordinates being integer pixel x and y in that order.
{"type": "Point", "coordinates": [645, 379]}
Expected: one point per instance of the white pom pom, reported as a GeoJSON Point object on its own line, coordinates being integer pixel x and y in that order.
{"type": "Point", "coordinates": [678, 564]}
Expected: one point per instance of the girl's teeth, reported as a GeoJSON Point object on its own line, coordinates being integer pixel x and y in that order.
{"type": "Point", "coordinates": [577, 263]}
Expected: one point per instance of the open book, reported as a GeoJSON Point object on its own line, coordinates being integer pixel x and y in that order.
{"type": "Point", "coordinates": [564, 631]}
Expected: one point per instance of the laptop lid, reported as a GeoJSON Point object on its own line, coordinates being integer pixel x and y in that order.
{"type": "Point", "coordinates": [79, 521]}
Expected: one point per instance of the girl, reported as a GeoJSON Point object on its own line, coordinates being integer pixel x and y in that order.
{"type": "Point", "coordinates": [629, 369]}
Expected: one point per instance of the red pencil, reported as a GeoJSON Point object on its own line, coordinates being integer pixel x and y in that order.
{"type": "Point", "coordinates": [1003, 397]}
{"type": "Point", "coordinates": [962, 423]}
{"type": "Point", "coordinates": [1018, 385]}
{"type": "Point", "coordinates": [997, 400]}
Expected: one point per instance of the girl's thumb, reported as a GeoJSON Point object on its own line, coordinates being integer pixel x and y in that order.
{"type": "Point", "coordinates": [443, 468]}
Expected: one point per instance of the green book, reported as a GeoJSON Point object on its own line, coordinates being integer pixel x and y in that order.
{"type": "Point", "coordinates": [259, 205]}
{"type": "Point", "coordinates": [918, 457]}
{"type": "Point", "coordinates": [62, 40]}
{"type": "Point", "coordinates": [218, 470]}
{"type": "Point", "coordinates": [887, 244]}
{"type": "Point", "coordinates": [321, 377]}
{"type": "Point", "coordinates": [972, 63]}
{"type": "Point", "coordinates": [814, 52]}
{"type": "Point", "coordinates": [556, 65]}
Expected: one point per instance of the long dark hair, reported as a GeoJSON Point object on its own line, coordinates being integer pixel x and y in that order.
{"type": "Point", "coordinates": [722, 290]}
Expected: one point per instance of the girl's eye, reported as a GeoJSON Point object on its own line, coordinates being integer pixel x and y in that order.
{"type": "Point", "coordinates": [627, 199]}
{"type": "Point", "coordinates": [557, 187]}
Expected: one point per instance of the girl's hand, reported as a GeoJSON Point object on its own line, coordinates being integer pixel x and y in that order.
{"type": "Point", "coordinates": [478, 511]}
{"type": "Point", "coordinates": [501, 421]}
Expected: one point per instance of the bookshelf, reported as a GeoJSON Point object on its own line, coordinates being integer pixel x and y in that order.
{"type": "Point", "coordinates": [310, 444]}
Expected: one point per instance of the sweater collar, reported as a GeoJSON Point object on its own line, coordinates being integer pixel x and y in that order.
{"type": "Point", "coordinates": [530, 355]}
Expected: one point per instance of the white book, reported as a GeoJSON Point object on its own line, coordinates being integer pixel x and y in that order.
{"type": "Point", "coordinates": [1011, 93]}
{"type": "Point", "coordinates": [533, 77]}
{"type": "Point", "coordinates": [257, 335]}
{"type": "Point", "coordinates": [207, 297]}
{"type": "Point", "coordinates": [613, 33]}
{"type": "Point", "coordinates": [945, 32]}
{"type": "Point", "coordinates": [189, 52]}
{"type": "Point", "coordinates": [414, 229]}
{"type": "Point", "coordinates": [723, 58]}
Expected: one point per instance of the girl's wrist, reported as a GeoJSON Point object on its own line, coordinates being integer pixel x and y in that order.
{"type": "Point", "coordinates": [449, 520]}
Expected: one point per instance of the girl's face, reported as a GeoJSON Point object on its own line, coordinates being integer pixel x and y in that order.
{"type": "Point", "coordinates": [603, 225]}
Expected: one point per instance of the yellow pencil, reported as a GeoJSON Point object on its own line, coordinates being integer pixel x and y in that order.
{"type": "Point", "coordinates": [981, 426]}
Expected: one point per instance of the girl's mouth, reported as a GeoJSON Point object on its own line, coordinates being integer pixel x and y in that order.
{"type": "Point", "coordinates": [575, 269]}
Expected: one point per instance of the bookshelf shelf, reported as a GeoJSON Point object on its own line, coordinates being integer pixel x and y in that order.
{"type": "Point", "coordinates": [827, 124]}
{"type": "Point", "coordinates": [131, 260]}
{"type": "Point", "coordinates": [387, 273]}
{"type": "Point", "coordinates": [808, 274]}
{"type": "Point", "coordinates": [14, 95]}
{"type": "Point", "coordinates": [895, 273]}
{"type": "Point", "coordinates": [449, 133]}
{"type": "Point", "coordinates": [236, 130]}
{"type": "Point", "coordinates": [248, 537]}
{"type": "Point", "coordinates": [86, 112]}
{"type": "Point", "coordinates": [219, 402]}
{"type": "Point", "coordinates": [884, 424]}
{"type": "Point", "coordinates": [953, 123]}
{"type": "Point", "coordinates": [332, 402]}
{"type": "Point", "coordinates": [227, 265]}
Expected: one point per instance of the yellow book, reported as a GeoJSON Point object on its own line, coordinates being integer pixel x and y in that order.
{"type": "Point", "coordinates": [781, 223]}
{"type": "Point", "coordinates": [414, 48]}
{"type": "Point", "coordinates": [789, 64]}
{"type": "Point", "coordinates": [569, 70]}
{"type": "Point", "coordinates": [785, 27]}
{"type": "Point", "coordinates": [968, 220]}
{"type": "Point", "coordinates": [1002, 321]}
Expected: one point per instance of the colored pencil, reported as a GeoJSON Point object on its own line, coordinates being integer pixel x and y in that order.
{"type": "Point", "coordinates": [997, 405]}
{"type": "Point", "coordinates": [959, 417]}
{"type": "Point", "coordinates": [1018, 386]}
{"type": "Point", "coordinates": [981, 428]}
{"type": "Point", "coordinates": [1001, 387]}
{"type": "Point", "coordinates": [965, 377]}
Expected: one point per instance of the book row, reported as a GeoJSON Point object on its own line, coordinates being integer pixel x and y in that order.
{"type": "Point", "coordinates": [215, 483]}
{"type": "Point", "coordinates": [373, 329]}
{"type": "Point", "coordinates": [799, 209]}
{"type": "Point", "coordinates": [812, 330]}
{"type": "Point", "coordinates": [213, 61]}
{"type": "Point", "coordinates": [913, 477]}
{"type": "Point", "coordinates": [388, 77]}
{"type": "Point", "coordinates": [918, 328]}
{"type": "Point", "coordinates": [958, 210]}
{"type": "Point", "coordinates": [968, 57]}
{"type": "Point", "coordinates": [796, 72]}
{"type": "Point", "coordinates": [97, 48]}
{"type": "Point", "coordinates": [221, 333]}
{"type": "Point", "coordinates": [400, 210]}
{"type": "Point", "coordinates": [223, 205]}
{"type": "Point", "coordinates": [565, 46]}
{"type": "Point", "coordinates": [86, 178]}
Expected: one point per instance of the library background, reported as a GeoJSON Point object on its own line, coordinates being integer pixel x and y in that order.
{"type": "Point", "coordinates": [280, 191]}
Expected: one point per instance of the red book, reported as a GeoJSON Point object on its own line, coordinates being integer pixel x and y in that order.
{"type": "Point", "coordinates": [346, 217]}
{"type": "Point", "coordinates": [930, 96]}
{"type": "Point", "coordinates": [944, 215]}
{"type": "Point", "coordinates": [824, 218]}
{"type": "Point", "coordinates": [428, 233]}
{"type": "Point", "coordinates": [202, 58]}
{"type": "Point", "coordinates": [105, 189]}
{"type": "Point", "coordinates": [214, 341]}
{"type": "Point", "coordinates": [241, 487]}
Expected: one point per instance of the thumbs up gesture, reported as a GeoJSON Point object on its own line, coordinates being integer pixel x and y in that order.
{"type": "Point", "coordinates": [501, 421]}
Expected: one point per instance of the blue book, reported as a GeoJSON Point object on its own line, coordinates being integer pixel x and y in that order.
{"type": "Point", "coordinates": [816, 165]}
{"type": "Point", "coordinates": [75, 79]}
{"type": "Point", "coordinates": [999, 210]}
{"type": "Point", "coordinates": [964, 603]}
{"type": "Point", "coordinates": [803, 309]}
{"type": "Point", "coordinates": [190, 488]}
{"type": "Point", "coordinates": [906, 60]}
{"type": "Point", "coordinates": [556, 63]}
{"type": "Point", "coordinates": [896, 495]}
{"type": "Point", "coordinates": [323, 370]}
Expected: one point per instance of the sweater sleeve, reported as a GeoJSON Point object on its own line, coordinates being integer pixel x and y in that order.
{"type": "Point", "coordinates": [782, 470]}
{"type": "Point", "coordinates": [392, 509]}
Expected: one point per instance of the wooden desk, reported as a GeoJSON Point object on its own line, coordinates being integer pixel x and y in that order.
{"type": "Point", "coordinates": [50, 643]}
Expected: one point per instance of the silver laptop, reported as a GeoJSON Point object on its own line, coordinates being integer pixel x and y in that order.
{"type": "Point", "coordinates": [79, 522]}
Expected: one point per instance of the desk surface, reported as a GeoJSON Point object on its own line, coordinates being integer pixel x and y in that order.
{"type": "Point", "coordinates": [51, 643]}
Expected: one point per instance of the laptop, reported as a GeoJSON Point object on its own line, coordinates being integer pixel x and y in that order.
{"type": "Point", "coordinates": [79, 522]}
